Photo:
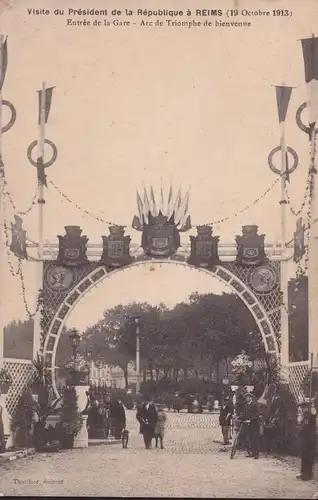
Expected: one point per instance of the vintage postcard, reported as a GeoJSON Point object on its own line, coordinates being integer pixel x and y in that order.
{"type": "Point", "coordinates": [159, 248]}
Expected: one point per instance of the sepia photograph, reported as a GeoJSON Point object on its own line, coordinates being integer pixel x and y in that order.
{"type": "Point", "coordinates": [159, 248]}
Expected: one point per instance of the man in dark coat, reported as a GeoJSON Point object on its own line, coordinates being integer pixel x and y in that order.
{"type": "Point", "coordinates": [308, 436]}
{"type": "Point", "coordinates": [226, 414]}
{"type": "Point", "coordinates": [147, 418]}
{"type": "Point", "coordinates": [252, 416]}
{"type": "Point", "coordinates": [119, 416]}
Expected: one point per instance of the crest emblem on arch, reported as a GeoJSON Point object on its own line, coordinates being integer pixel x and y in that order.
{"type": "Point", "coordinates": [116, 248]}
{"type": "Point", "coordinates": [161, 222]}
{"type": "Point", "coordinates": [204, 248]}
{"type": "Point", "coordinates": [250, 247]}
{"type": "Point", "coordinates": [72, 247]}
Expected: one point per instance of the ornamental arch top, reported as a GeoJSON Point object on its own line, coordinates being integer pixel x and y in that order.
{"type": "Point", "coordinates": [70, 272]}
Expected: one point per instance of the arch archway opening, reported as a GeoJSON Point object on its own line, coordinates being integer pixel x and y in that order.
{"type": "Point", "coordinates": [100, 275]}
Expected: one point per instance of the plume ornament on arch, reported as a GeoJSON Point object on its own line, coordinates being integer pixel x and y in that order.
{"type": "Point", "coordinates": [175, 211]}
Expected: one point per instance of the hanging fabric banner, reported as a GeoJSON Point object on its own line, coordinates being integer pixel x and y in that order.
{"type": "Point", "coordinates": [283, 95]}
{"type": "Point", "coordinates": [4, 62]}
{"type": "Point", "coordinates": [310, 54]}
{"type": "Point", "coordinates": [48, 100]}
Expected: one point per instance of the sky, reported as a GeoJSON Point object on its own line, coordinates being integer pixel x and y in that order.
{"type": "Point", "coordinates": [139, 106]}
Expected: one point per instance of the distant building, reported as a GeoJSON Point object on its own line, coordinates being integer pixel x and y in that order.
{"type": "Point", "coordinates": [118, 378]}
{"type": "Point", "coordinates": [100, 375]}
{"type": "Point", "coordinates": [111, 376]}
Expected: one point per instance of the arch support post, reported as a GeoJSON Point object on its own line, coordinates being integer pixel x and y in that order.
{"type": "Point", "coordinates": [284, 321]}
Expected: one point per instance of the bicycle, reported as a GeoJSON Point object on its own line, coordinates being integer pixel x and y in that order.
{"type": "Point", "coordinates": [236, 437]}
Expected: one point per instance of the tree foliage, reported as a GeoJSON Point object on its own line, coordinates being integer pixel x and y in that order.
{"type": "Point", "coordinates": [190, 336]}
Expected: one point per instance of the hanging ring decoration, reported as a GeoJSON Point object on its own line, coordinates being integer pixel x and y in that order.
{"type": "Point", "coordinates": [290, 169]}
{"type": "Point", "coordinates": [13, 118]}
{"type": "Point", "coordinates": [48, 163]}
{"type": "Point", "coordinates": [299, 121]}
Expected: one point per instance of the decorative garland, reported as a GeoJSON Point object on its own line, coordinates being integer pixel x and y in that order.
{"type": "Point", "coordinates": [18, 271]}
{"type": "Point", "coordinates": [296, 213]}
{"type": "Point", "coordinates": [9, 196]}
{"type": "Point", "coordinates": [80, 208]}
{"type": "Point", "coordinates": [247, 207]}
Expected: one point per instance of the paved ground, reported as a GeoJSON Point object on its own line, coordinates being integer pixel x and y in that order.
{"type": "Point", "coordinates": [191, 465]}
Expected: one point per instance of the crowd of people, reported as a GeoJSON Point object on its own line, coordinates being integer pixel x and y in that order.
{"type": "Point", "coordinates": [151, 416]}
{"type": "Point", "coordinates": [251, 417]}
{"type": "Point", "coordinates": [105, 413]}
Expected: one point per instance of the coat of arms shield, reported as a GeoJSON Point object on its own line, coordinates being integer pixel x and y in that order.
{"type": "Point", "coordinates": [160, 237]}
{"type": "Point", "coordinates": [204, 248]}
{"type": "Point", "coordinates": [116, 248]}
{"type": "Point", "coordinates": [72, 247]}
{"type": "Point", "coordinates": [250, 247]}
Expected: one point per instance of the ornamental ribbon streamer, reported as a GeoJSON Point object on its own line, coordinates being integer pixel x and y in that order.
{"type": "Point", "coordinates": [41, 172]}
{"type": "Point", "coordinates": [310, 54]}
{"type": "Point", "coordinates": [283, 95]}
{"type": "Point", "coordinates": [47, 100]}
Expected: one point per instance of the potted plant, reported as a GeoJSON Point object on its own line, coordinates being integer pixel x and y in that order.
{"type": "Point", "coordinates": [71, 420]}
{"type": "Point", "coordinates": [5, 381]}
{"type": "Point", "coordinates": [242, 366]}
{"type": "Point", "coordinates": [79, 369]}
{"type": "Point", "coordinates": [22, 420]}
{"type": "Point", "coordinates": [45, 405]}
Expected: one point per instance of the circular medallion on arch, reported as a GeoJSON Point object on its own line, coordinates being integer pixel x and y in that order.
{"type": "Point", "coordinates": [60, 278]}
{"type": "Point", "coordinates": [290, 169]}
{"type": "Point", "coordinates": [263, 279]}
{"type": "Point", "coordinates": [47, 163]}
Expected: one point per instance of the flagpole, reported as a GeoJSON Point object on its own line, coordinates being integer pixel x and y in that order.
{"type": "Point", "coordinates": [41, 202]}
{"type": "Point", "coordinates": [2, 243]}
{"type": "Point", "coordinates": [313, 260]}
{"type": "Point", "coordinates": [284, 263]}
{"type": "Point", "coordinates": [309, 48]}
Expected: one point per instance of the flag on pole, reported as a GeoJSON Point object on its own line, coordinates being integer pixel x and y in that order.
{"type": "Point", "coordinates": [183, 211]}
{"type": "Point", "coordinates": [41, 172]}
{"type": "Point", "coordinates": [310, 54]}
{"type": "Point", "coordinates": [47, 95]}
{"type": "Point", "coordinates": [4, 62]}
{"type": "Point", "coordinates": [282, 97]}
{"type": "Point", "coordinates": [139, 205]}
{"type": "Point", "coordinates": [162, 202]}
{"type": "Point", "coordinates": [187, 226]}
{"type": "Point", "coordinates": [146, 202]}
{"type": "Point", "coordinates": [169, 208]}
{"type": "Point", "coordinates": [177, 205]}
{"type": "Point", "coordinates": [154, 207]}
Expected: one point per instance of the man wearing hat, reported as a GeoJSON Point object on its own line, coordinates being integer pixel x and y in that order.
{"type": "Point", "coordinates": [252, 415]}
{"type": "Point", "coordinates": [226, 415]}
{"type": "Point", "coordinates": [308, 436]}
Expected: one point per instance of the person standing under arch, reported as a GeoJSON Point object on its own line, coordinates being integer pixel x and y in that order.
{"type": "Point", "coordinates": [147, 418]}
{"type": "Point", "coordinates": [308, 438]}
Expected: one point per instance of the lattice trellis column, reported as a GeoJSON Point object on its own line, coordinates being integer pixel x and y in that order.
{"type": "Point", "coordinates": [297, 373]}
{"type": "Point", "coordinates": [21, 371]}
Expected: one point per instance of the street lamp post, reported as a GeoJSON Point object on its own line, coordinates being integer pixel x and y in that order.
{"type": "Point", "coordinates": [75, 338]}
{"type": "Point", "coordinates": [137, 323]}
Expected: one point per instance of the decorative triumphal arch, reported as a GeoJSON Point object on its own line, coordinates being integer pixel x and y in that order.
{"type": "Point", "coordinates": [248, 267]}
